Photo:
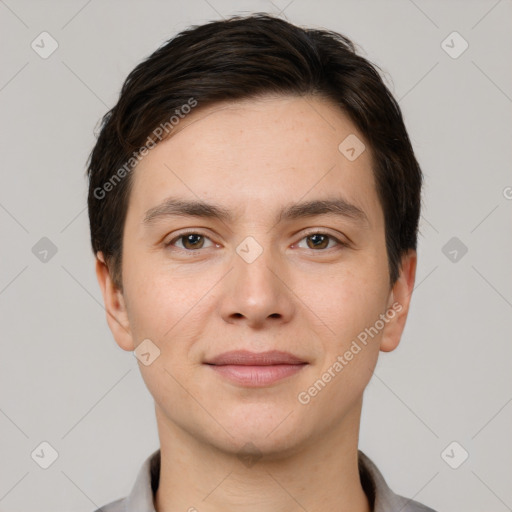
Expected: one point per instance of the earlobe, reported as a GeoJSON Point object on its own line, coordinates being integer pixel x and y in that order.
{"type": "Point", "coordinates": [399, 301]}
{"type": "Point", "coordinates": [115, 306]}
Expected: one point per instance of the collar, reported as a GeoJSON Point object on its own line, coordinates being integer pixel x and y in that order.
{"type": "Point", "coordinates": [380, 496]}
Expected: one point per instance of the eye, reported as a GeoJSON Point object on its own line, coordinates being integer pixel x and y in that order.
{"type": "Point", "coordinates": [193, 240]}
{"type": "Point", "coordinates": [189, 241]}
{"type": "Point", "coordinates": [319, 240]}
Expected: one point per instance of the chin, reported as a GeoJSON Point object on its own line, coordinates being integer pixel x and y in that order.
{"type": "Point", "coordinates": [256, 445]}
{"type": "Point", "coordinates": [269, 428]}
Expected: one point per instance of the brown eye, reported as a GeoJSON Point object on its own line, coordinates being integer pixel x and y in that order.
{"type": "Point", "coordinates": [189, 241]}
{"type": "Point", "coordinates": [318, 241]}
{"type": "Point", "coordinates": [321, 241]}
{"type": "Point", "coordinates": [193, 241]}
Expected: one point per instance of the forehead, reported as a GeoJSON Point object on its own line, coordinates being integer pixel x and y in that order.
{"type": "Point", "coordinates": [259, 153]}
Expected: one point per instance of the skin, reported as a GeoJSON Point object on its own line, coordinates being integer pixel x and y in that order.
{"type": "Point", "coordinates": [197, 300]}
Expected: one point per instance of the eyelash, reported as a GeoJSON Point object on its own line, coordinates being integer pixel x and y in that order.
{"type": "Point", "coordinates": [340, 243]}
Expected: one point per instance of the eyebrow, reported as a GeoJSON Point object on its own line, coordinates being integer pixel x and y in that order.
{"type": "Point", "coordinates": [338, 206]}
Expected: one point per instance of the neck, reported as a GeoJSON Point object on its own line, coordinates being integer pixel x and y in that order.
{"type": "Point", "coordinates": [197, 477]}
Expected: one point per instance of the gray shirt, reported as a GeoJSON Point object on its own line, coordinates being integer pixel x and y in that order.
{"type": "Point", "coordinates": [380, 496]}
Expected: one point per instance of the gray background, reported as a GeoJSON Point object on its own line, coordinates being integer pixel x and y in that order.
{"type": "Point", "coordinates": [62, 377]}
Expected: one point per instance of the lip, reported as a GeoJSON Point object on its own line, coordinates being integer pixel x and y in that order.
{"type": "Point", "coordinates": [256, 369]}
{"type": "Point", "coordinates": [248, 358]}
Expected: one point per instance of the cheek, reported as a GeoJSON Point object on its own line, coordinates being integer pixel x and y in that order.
{"type": "Point", "coordinates": [350, 301]}
{"type": "Point", "coordinates": [163, 303]}
{"type": "Point", "coordinates": [350, 343]}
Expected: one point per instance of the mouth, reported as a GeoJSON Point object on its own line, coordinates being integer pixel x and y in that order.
{"type": "Point", "coordinates": [252, 369]}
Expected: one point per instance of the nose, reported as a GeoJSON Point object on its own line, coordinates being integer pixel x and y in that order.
{"type": "Point", "coordinates": [258, 293]}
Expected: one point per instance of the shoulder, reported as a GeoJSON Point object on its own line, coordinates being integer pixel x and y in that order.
{"type": "Point", "coordinates": [114, 506]}
{"type": "Point", "coordinates": [409, 505]}
{"type": "Point", "coordinates": [381, 496]}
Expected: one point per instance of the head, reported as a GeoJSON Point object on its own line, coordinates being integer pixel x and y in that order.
{"type": "Point", "coordinates": [255, 188]}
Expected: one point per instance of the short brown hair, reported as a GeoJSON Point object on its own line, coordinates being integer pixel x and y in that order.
{"type": "Point", "coordinates": [239, 58]}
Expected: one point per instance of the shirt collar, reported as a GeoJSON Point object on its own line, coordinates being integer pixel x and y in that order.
{"type": "Point", "coordinates": [380, 496]}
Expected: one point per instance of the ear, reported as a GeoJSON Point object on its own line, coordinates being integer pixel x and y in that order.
{"type": "Point", "coordinates": [115, 307]}
{"type": "Point", "coordinates": [398, 303]}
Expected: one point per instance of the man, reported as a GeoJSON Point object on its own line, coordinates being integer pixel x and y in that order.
{"type": "Point", "coordinates": [254, 202]}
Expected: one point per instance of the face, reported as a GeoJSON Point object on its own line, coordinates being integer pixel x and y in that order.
{"type": "Point", "coordinates": [286, 255]}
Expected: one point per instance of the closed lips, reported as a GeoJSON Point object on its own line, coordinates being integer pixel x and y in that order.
{"type": "Point", "coordinates": [247, 358]}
